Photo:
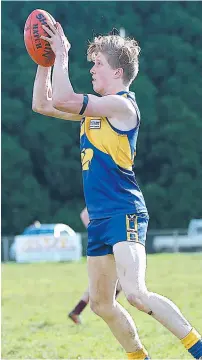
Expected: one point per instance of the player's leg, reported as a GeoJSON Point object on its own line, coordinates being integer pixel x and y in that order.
{"type": "Point", "coordinates": [74, 315]}
{"type": "Point", "coordinates": [130, 260]}
{"type": "Point", "coordinates": [102, 285]}
{"type": "Point", "coordinates": [118, 289]}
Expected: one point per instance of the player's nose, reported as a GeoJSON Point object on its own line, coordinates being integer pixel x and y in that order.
{"type": "Point", "coordinates": [92, 70]}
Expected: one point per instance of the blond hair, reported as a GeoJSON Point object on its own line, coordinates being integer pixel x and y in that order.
{"type": "Point", "coordinates": [120, 53]}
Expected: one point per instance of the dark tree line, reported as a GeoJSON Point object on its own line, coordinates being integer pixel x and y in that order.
{"type": "Point", "coordinates": [41, 172]}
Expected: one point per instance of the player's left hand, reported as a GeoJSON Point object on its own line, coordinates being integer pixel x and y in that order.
{"type": "Point", "coordinates": [57, 39]}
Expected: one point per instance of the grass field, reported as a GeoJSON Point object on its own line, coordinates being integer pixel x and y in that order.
{"type": "Point", "coordinates": [37, 297]}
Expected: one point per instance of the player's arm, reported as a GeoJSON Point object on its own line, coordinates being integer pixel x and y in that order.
{"type": "Point", "coordinates": [42, 101]}
{"type": "Point", "coordinates": [109, 106]}
{"type": "Point", "coordinates": [64, 97]}
{"type": "Point", "coordinates": [84, 217]}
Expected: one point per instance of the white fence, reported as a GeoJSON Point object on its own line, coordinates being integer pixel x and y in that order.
{"type": "Point", "coordinates": [157, 241]}
{"type": "Point", "coordinates": [63, 249]}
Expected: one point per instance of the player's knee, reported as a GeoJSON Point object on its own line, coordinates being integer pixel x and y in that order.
{"type": "Point", "coordinates": [139, 300]}
{"type": "Point", "coordinates": [105, 311]}
{"type": "Point", "coordinates": [94, 306]}
{"type": "Point", "coordinates": [135, 300]}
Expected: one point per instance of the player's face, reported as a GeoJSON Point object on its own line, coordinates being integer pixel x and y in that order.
{"type": "Point", "coordinates": [102, 74]}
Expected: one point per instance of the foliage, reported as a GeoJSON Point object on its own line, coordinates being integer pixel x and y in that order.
{"type": "Point", "coordinates": [40, 156]}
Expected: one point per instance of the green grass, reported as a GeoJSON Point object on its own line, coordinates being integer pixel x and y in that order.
{"type": "Point", "coordinates": [37, 297]}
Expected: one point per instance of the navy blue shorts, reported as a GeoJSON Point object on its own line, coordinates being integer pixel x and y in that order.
{"type": "Point", "coordinates": [103, 234]}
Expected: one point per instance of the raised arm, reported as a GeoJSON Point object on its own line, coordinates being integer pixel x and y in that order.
{"type": "Point", "coordinates": [64, 97]}
{"type": "Point", "coordinates": [42, 97]}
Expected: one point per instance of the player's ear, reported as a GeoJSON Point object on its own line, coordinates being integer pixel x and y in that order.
{"type": "Point", "coordinates": [118, 73]}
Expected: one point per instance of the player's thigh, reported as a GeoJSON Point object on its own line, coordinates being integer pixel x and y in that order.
{"type": "Point", "coordinates": [130, 260]}
{"type": "Point", "coordinates": [102, 278]}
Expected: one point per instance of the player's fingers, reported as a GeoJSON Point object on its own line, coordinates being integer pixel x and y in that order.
{"type": "Point", "coordinates": [68, 43]}
{"type": "Point", "coordinates": [60, 29]}
{"type": "Point", "coordinates": [46, 39]}
{"type": "Point", "coordinates": [49, 32]}
{"type": "Point", "coordinates": [61, 32]}
{"type": "Point", "coordinates": [51, 26]}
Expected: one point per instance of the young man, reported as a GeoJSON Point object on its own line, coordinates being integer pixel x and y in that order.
{"type": "Point", "coordinates": [116, 207]}
{"type": "Point", "coordinates": [74, 315]}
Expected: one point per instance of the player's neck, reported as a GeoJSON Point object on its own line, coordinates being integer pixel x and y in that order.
{"type": "Point", "coordinates": [115, 89]}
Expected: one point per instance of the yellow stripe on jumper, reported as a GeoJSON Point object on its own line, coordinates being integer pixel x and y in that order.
{"type": "Point", "coordinates": [110, 142]}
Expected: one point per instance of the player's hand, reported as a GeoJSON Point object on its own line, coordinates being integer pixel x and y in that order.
{"type": "Point", "coordinates": [57, 39]}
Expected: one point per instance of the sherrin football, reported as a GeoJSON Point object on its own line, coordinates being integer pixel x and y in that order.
{"type": "Point", "coordinates": [39, 50]}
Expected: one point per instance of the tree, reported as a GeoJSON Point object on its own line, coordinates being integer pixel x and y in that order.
{"type": "Point", "coordinates": [41, 172]}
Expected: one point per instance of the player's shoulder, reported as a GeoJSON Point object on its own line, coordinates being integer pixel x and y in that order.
{"type": "Point", "coordinates": [126, 95]}
{"type": "Point", "coordinates": [129, 119]}
{"type": "Point", "coordinates": [125, 100]}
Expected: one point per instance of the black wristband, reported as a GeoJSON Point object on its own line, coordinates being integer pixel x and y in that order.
{"type": "Point", "coordinates": [85, 103]}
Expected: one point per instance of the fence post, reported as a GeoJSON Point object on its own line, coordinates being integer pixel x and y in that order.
{"type": "Point", "coordinates": [176, 242]}
{"type": "Point", "coordinates": [5, 241]}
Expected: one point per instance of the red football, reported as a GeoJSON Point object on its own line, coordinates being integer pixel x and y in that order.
{"type": "Point", "coordinates": [39, 49]}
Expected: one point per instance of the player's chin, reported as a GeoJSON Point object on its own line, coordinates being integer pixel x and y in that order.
{"type": "Point", "coordinates": [96, 88]}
